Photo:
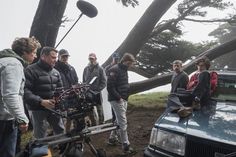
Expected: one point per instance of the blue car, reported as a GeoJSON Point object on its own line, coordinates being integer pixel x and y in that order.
{"type": "Point", "coordinates": [208, 132]}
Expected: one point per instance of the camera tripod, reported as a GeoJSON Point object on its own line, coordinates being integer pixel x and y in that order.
{"type": "Point", "coordinates": [72, 138]}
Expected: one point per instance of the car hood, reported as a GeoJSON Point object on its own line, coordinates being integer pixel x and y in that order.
{"type": "Point", "coordinates": [215, 122]}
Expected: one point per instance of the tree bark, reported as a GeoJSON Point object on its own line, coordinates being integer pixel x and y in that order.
{"type": "Point", "coordinates": [141, 31]}
{"type": "Point", "coordinates": [47, 21]}
{"type": "Point", "coordinates": [157, 81]}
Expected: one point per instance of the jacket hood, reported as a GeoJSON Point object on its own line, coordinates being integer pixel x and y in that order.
{"type": "Point", "coordinates": [10, 53]}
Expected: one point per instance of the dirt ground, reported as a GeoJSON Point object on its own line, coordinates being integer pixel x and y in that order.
{"type": "Point", "coordinates": [140, 123]}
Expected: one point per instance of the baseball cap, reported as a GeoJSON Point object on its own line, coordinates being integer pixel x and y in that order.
{"type": "Point", "coordinates": [92, 55]}
{"type": "Point", "coordinates": [63, 52]}
{"type": "Point", "coordinates": [115, 55]}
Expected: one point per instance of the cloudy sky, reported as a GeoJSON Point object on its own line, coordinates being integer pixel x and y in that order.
{"type": "Point", "coordinates": [101, 35]}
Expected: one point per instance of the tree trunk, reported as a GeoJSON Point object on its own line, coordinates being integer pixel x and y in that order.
{"type": "Point", "coordinates": [157, 81]}
{"type": "Point", "coordinates": [47, 21]}
{"type": "Point", "coordinates": [141, 31]}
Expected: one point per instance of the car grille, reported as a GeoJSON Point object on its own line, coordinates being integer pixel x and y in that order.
{"type": "Point", "coordinates": [203, 148]}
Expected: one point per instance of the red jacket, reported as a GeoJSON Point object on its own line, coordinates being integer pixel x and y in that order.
{"type": "Point", "coordinates": [194, 81]}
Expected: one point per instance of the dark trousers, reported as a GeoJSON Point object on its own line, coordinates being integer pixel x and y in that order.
{"type": "Point", "coordinates": [8, 138]}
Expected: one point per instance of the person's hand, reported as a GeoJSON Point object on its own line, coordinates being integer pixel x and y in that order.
{"type": "Point", "coordinates": [23, 127]}
{"type": "Point", "coordinates": [48, 103]}
{"type": "Point", "coordinates": [121, 100]}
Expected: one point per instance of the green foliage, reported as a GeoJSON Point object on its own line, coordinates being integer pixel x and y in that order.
{"type": "Point", "coordinates": [160, 51]}
{"type": "Point", "coordinates": [150, 100]}
{"type": "Point", "coordinates": [225, 33]}
{"type": "Point", "coordinates": [195, 7]}
{"type": "Point", "coordinates": [164, 45]}
{"type": "Point", "coordinates": [127, 3]}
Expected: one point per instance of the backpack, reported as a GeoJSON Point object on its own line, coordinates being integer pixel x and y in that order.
{"type": "Point", "coordinates": [213, 81]}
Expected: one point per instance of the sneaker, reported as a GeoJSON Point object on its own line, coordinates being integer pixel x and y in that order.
{"type": "Point", "coordinates": [113, 142]}
{"type": "Point", "coordinates": [196, 105]}
{"type": "Point", "coordinates": [127, 150]}
{"type": "Point", "coordinates": [185, 112]}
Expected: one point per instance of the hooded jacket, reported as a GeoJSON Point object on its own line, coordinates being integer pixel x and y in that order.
{"type": "Point", "coordinates": [12, 86]}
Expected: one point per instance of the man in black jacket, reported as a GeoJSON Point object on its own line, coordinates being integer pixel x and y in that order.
{"type": "Point", "coordinates": [68, 74]}
{"type": "Point", "coordinates": [41, 81]}
{"type": "Point", "coordinates": [118, 93]}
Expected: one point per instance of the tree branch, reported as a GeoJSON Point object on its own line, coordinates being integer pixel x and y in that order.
{"type": "Point", "coordinates": [141, 31]}
{"type": "Point", "coordinates": [212, 20]}
{"type": "Point", "coordinates": [160, 80]}
{"type": "Point", "coordinates": [141, 72]}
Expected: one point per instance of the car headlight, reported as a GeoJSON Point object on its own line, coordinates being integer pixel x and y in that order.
{"type": "Point", "coordinates": [168, 141]}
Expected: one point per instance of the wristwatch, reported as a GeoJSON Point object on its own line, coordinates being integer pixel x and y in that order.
{"type": "Point", "coordinates": [197, 99]}
{"type": "Point", "coordinates": [20, 122]}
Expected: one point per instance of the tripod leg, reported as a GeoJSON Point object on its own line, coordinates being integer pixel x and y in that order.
{"type": "Point", "coordinates": [96, 152]}
{"type": "Point", "coordinates": [92, 148]}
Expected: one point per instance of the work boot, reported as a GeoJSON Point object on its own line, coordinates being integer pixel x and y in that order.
{"type": "Point", "coordinates": [113, 142]}
{"type": "Point", "coordinates": [185, 112]}
{"type": "Point", "coordinates": [128, 150]}
{"type": "Point", "coordinates": [196, 105]}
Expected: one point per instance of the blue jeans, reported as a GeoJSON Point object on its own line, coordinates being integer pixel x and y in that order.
{"type": "Point", "coordinates": [8, 138]}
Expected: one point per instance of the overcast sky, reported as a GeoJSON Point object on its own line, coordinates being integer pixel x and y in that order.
{"type": "Point", "coordinates": [101, 35]}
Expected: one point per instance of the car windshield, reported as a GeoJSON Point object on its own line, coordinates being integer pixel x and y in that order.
{"type": "Point", "coordinates": [226, 88]}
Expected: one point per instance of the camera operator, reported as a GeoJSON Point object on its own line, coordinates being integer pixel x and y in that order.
{"type": "Point", "coordinates": [94, 70]}
{"type": "Point", "coordinates": [12, 62]}
{"type": "Point", "coordinates": [118, 93]}
{"type": "Point", "coordinates": [41, 81]}
{"type": "Point", "coordinates": [68, 74]}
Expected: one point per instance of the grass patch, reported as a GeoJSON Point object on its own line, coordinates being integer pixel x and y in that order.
{"type": "Point", "coordinates": [149, 100]}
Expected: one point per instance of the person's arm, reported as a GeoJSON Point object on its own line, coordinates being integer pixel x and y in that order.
{"type": "Point", "coordinates": [214, 80]}
{"type": "Point", "coordinates": [203, 85]}
{"type": "Point", "coordinates": [184, 81]}
{"type": "Point", "coordinates": [29, 97]}
{"type": "Point", "coordinates": [75, 76]}
{"type": "Point", "coordinates": [102, 79]}
{"type": "Point", "coordinates": [111, 84]}
{"type": "Point", "coordinates": [192, 82]}
{"type": "Point", "coordinates": [11, 83]}
{"type": "Point", "coordinates": [84, 73]}
{"type": "Point", "coordinates": [59, 82]}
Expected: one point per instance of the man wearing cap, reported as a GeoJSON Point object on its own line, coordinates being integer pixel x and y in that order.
{"type": "Point", "coordinates": [68, 74]}
{"type": "Point", "coordinates": [114, 138]}
{"type": "Point", "coordinates": [115, 60]}
{"type": "Point", "coordinates": [180, 78]}
{"type": "Point", "coordinates": [93, 71]}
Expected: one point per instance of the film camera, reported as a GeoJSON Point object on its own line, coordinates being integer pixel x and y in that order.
{"type": "Point", "coordinates": [74, 104]}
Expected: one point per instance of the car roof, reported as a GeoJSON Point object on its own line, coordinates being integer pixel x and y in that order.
{"type": "Point", "coordinates": [225, 72]}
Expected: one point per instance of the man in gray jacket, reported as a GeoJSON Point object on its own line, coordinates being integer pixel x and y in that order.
{"type": "Point", "coordinates": [95, 72]}
{"type": "Point", "coordinates": [180, 78]}
{"type": "Point", "coordinates": [12, 116]}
